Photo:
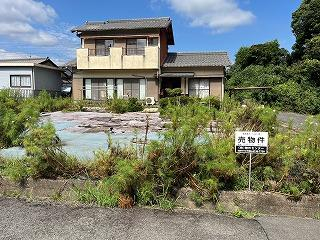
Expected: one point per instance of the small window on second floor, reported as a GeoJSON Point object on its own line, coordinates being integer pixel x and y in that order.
{"type": "Point", "coordinates": [153, 41]}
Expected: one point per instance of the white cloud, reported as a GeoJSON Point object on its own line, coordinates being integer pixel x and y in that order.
{"type": "Point", "coordinates": [19, 18]}
{"type": "Point", "coordinates": [219, 15]}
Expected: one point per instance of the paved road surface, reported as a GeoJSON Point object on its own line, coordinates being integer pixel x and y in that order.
{"type": "Point", "coordinates": [21, 220]}
{"type": "Point", "coordinates": [296, 119]}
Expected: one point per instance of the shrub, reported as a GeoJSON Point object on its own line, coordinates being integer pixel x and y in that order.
{"type": "Point", "coordinates": [122, 105]}
{"type": "Point", "coordinates": [212, 102]}
{"type": "Point", "coordinates": [16, 170]}
{"type": "Point", "coordinates": [116, 190]}
{"type": "Point", "coordinates": [134, 105]}
{"type": "Point", "coordinates": [291, 96]}
{"type": "Point", "coordinates": [177, 101]}
{"type": "Point", "coordinates": [16, 116]}
{"type": "Point", "coordinates": [119, 105]}
{"type": "Point", "coordinates": [45, 156]}
{"type": "Point", "coordinates": [173, 92]}
{"type": "Point", "coordinates": [102, 194]}
{"type": "Point", "coordinates": [146, 193]}
{"type": "Point", "coordinates": [102, 166]}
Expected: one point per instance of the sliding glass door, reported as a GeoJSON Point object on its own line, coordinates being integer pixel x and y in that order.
{"type": "Point", "coordinates": [102, 89]}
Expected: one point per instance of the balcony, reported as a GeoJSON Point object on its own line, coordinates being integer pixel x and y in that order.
{"type": "Point", "coordinates": [118, 58]}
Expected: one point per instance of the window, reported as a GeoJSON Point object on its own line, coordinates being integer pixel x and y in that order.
{"type": "Point", "coordinates": [136, 46]}
{"type": "Point", "coordinates": [153, 41]}
{"type": "Point", "coordinates": [103, 47]}
{"type": "Point", "coordinates": [20, 81]}
{"type": "Point", "coordinates": [131, 88]}
{"type": "Point", "coordinates": [98, 89]}
{"type": "Point", "coordinates": [199, 87]}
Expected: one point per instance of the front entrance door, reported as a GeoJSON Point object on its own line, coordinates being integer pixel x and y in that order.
{"type": "Point", "coordinates": [174, 82]}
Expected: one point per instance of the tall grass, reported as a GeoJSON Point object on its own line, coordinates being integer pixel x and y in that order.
{"type": "Point", "coordinates": [196, 150]}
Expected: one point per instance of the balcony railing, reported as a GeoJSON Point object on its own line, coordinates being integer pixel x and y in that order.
{"type": "Point", "coordinates": [118, 58]}
{"type": "Point", "coordinates": [99, 52]}
{"type": "Point", "coordinates": [133, 51]}
{"type": "Point", "coordinates": [125, 51]}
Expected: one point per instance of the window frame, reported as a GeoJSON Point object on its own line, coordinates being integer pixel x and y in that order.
{"type": "Point", "coordinates": [136, 49]}
{"type": "Point", "coordinates": [129, 81]}
{"type": "Point", "coordinates": [20, 76]}
{"type": "Point", "coordinates": [151, 39]}
{"type": "Point", "coordinates": [198, 85]}
{"type": "Point", "coordinates": [105, 50]}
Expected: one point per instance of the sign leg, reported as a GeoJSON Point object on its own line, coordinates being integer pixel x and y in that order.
{"type": "Point", "coordinates": [250, 162]}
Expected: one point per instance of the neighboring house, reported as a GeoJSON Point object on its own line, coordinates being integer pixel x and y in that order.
{"type": "Point", "coordinates": [130, 58]}
{"type": "Point", "coordinates": [30, 75]}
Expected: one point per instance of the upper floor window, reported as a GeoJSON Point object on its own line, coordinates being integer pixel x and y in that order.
{"type": "Point", "coordinates": [20, 81]}
{"type": "Point", "coordinates": [153, 41]}
{"type": "Point", "coordinates": [103, 47]}
{"type": "Point", "coordinates": [136, 46]}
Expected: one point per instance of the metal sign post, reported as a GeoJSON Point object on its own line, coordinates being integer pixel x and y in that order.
{"type": "Point", "coordinates": [252, 143]}
{"type": "Point", "coordinates": [250, 163]}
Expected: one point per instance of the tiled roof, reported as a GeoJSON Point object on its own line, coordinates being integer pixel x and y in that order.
{"type": "Point", "coordinates": [72, 63]}
{"type": "Point", "coordinates": [201, 59]}
{"type": "Point", "coordinates": [29, 62]}
{"type": "Point", "coordinates": [125, 24]}
{"type": "Point", "coordinates": [24, 60]}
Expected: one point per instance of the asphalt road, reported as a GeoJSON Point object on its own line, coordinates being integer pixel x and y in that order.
{"type": "Point", "coordinates": [21, 220]}
{"type": "Point", "coordinates": [296, 119]}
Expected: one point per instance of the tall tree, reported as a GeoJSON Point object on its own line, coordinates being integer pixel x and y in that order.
{"type": "Point", "coordinates": [261, 54]}
{"type": "Point", "coordinates": [312, 50]}
{"type": "Point", "coordinates": [305, 25]}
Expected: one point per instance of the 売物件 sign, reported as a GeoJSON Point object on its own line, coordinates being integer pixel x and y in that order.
{"type": "Point", "coordinates": [251, 142]}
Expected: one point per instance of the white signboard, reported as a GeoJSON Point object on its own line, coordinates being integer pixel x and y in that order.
{"type": "Point", "coordinates": [251, 142]}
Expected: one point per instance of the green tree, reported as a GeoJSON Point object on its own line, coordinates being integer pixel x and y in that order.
{"type": "Point", "coordinates": [305, 25]}
{"type": "Point", "coordinates": [261, 54]}
{"type": "Point", "coordinates": [306, 72]}
{"type": "Point", "coordinates": [312, 50]}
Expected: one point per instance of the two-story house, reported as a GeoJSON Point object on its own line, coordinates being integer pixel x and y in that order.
{"type": "Point", "coordinates": [130, 58]}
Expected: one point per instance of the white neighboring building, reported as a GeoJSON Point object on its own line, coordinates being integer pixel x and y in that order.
{"type": "Point", "coordinates": [30, 76]}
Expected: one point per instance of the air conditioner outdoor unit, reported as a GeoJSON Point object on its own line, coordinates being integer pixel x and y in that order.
{"type": "Point", "coordinates": [150, 101]}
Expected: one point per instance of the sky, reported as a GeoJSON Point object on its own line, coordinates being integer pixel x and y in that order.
{"type": "Point", "coordinates": [42, 28]}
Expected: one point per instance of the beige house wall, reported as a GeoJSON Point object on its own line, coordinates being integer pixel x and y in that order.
{"type": "Point", "coordinates": [77, 85]}
{"type": "Point", "coordinates": [216, 87]}
{"type": "Point", "coordinates": [152, 88]}
{"type": "Point", "coordinates": [116, 60]}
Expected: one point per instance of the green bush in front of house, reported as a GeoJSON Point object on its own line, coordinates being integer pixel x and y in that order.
{"type": "Point", "coordinates": [118, 105]}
